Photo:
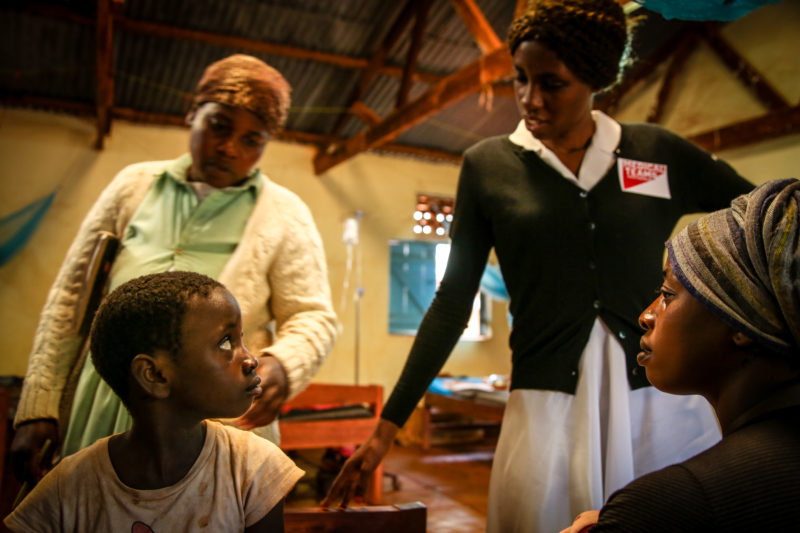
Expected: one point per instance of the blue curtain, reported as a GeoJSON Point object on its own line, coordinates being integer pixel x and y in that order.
{"type": "Point", "coordinates": [704, 9]}
{"type": "Point", "coordinates": [17, 228]}
{"type": "Point", "coordinates": [492, 283]}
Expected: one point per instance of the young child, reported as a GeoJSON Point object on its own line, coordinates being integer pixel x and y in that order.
{"type": "Point", "coordinates": [726, 324]}
{"type": "Point", "coordinates": [170, 345]}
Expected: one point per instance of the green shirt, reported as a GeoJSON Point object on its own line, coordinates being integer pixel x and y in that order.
{"type": "Point", "coordinates": [173, 230]}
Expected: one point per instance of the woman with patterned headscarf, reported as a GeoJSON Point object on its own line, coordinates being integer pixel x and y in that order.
{"type": "Point", "coordinates": [726, 325]}
{"type": "Point", "coordinates": [575, 206]}
{"type": "Point", "coordinates": [210, 211]}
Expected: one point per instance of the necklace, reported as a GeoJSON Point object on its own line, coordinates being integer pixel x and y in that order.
{"type": "Point", "coordinates": [581, 148]}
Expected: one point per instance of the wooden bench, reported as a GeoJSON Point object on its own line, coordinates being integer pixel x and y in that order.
{"type": "Point", "coordinates": [336, 432]}
{"type": "Point", "coordinates": [399, 518]}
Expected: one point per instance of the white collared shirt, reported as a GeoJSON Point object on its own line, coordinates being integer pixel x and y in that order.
{"type": "Point", "coordinates": [597, 160]}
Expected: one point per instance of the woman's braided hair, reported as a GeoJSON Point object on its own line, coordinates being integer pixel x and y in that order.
{"type": "Point", "coordinates": [589, 36]}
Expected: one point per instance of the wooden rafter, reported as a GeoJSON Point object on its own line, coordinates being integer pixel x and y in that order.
{"type": "Point", "coordinates": [744, 70]}
{"type": "Point", "coordinates": [375, 63]}
{"type": "Point", "coordinates": [365, 113]}
{"type": "Point", "coordinates": [263, 47]}
{"type": "Point", "coordinates": [743, 133]}
{"type": "Point", "coordinates": [104, 97]}
{"type": "Point", "coordinates": [770, 126]}
{"type": "Point", "coordinates": [480, 28]}
{"type": "Point", "coordinates": [469, 79]}
{"type": "Point", "coordinates": [267, 48]}
{"type": "Point", "coordinates": [783, 120]}
{"type": "Point", "coordinates": [164, 119]}
{"type": "Point", "coordinates": [172, 32]}
{"type": "Point", "coordinates": [608, 101]}
{"type": "Point", "coordinates": [489, 68]}
{"type": "Point", "coordinates": [677, 61]}
{"type": "Point", "coordinates": [303, 137]}
{"type": "Point", "coordinates": [417, 34]}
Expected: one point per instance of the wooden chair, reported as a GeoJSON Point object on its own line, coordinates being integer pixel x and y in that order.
{"type": "Point", "coordinates": [400, 518]}
{"type": "Point", "coordinates": [336, 432]}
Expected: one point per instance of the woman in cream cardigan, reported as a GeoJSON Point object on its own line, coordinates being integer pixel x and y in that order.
{"type": "Point", "coordinates": [210, 211]}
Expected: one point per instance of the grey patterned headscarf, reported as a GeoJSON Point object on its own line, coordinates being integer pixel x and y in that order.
{"type": "Point", "coordinates": [743, 262]}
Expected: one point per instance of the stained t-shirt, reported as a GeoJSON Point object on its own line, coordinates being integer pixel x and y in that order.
{"type": "Point", "coordinates": [235, 481]}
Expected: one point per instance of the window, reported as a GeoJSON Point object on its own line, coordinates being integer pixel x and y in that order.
{"type": "Point", "coordinates": [416, 268]}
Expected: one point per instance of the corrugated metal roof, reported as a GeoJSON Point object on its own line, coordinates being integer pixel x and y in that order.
{"type": "Point", "coordinates": [60, 65]}
{"type": "Point", "coordinates": [51, 54]}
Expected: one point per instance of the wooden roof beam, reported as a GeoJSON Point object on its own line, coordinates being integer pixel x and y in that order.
{"type": "Point", "coordinates": [608, 101]}
{"type": "Point", "coordinates": [417, 34]}
{"type": "Point", "coordinates": [163, 119]}
{"type": "Point", "coordinates": [770, 126]}
{"type": "Point", "coordinates": [481, 30]}
{"type": "Point", "coordinates": [104, 96]}
{"type": "Point", "coordinates": [375, 64]}
{"type": "Point", "coordinates": [685, 48]}
{"type": "Point", "coordinates": [469, 79]}
{"type": "Point", "coordinates": [744, 70]}
{"type": "Point", "coordinates": [365, 114]}
{"type": "Point", "coordinates": [174, 32]}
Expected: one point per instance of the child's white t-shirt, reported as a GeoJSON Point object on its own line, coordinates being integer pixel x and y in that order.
{"type": "Point", "coordinates": [235, 481]}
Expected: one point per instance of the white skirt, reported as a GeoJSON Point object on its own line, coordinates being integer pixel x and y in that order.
{"type": "Point", "coordinates": [560, 454]}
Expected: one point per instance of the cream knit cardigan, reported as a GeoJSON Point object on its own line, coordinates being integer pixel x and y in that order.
{"type": "Point", "coordinates": [277, 273]}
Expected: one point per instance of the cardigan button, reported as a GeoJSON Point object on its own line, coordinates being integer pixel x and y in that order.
{"type": "Point", "coordinates": [583, 194]}
{"type": "Point", "coordinates": [622, 335]}
{"type": "Point", "coordinates": [596, 304]}
{"type": "Point", "coordinates": [592, 226]}
{"type": "Point", "coordinates": [574, 373]}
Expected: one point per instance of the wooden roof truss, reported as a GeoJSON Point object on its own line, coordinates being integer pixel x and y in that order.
{"type": "Point", "coordinates": [490, 70]}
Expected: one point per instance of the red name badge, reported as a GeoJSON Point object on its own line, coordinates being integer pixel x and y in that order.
{"type": "Point", "coordinates": [641, 177]}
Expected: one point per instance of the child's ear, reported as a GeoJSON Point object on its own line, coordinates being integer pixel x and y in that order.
{"type": "Point", "coordinates": [152, 374]}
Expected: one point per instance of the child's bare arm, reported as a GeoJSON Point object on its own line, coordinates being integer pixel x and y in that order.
{"type": "Point", "coordinates": [272, 521]}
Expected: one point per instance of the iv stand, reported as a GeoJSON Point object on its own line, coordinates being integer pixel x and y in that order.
{"type": "Point", "coordinates": [351, 240]}
{"type": "Point", "coordinates": [357, 296]}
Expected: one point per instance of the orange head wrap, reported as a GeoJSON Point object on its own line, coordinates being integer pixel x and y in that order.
{"type": "Point", "coordinates": [246, 82]}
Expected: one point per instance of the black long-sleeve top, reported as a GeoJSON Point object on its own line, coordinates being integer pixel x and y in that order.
{"type": "Point", "coordinates": [567, 255]}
